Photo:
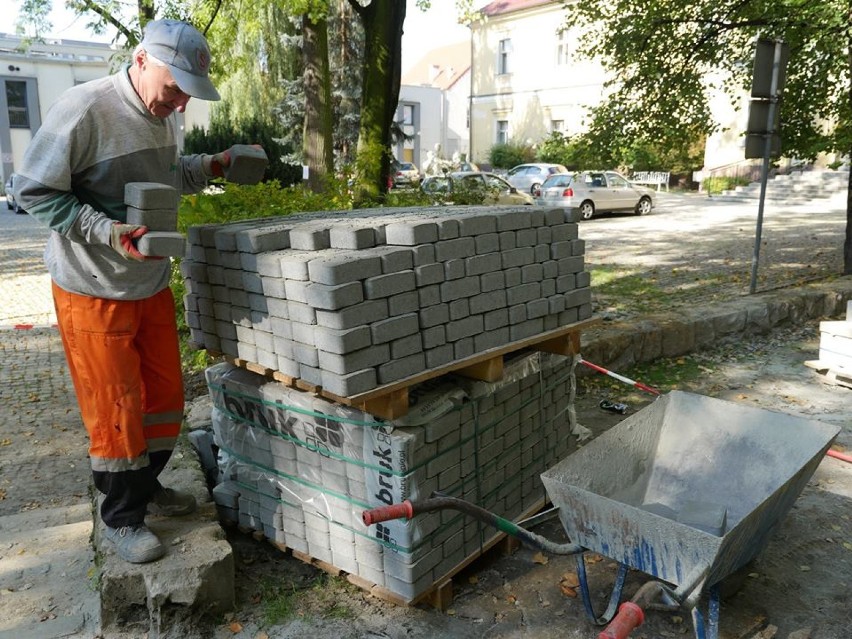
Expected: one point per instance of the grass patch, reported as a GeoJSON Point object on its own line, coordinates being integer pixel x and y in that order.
{"type": "Point", "coordinates": [279, 601]}
{"type": "Point", "coordinates": [664, 375]}
{"type": "Point", "coordinates": [319, 599]}
{"type": "Point", "coordinates": [624, 289]}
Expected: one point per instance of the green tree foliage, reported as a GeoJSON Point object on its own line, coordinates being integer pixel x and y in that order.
{"type": "Point", "coordinates": [253, 59]}
{"type": "Point", "coordinates": [669, 56]}
{"type": "Point", "coordinates": [222, 135]}
{"type": "Point", "coordinates": [574, 153]}
{"type": "Point", "coordinates": [33, 22]}
{"type": "Point", "coordinates": [509, 154]}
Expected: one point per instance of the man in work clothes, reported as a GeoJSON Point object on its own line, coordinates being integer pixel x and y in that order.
{"type": "Point", "coordinates": [115, 310]}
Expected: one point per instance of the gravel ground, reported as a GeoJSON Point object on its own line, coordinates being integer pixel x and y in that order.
{"type": "Point", "coordinates": [697, 252]}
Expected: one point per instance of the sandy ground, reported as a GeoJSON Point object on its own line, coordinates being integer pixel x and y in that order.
{"type": "Point", "coordinates": [796, 588]}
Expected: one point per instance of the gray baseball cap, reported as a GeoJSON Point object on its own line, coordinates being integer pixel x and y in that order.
{"type": "Point", "coordinates": [185, 52]}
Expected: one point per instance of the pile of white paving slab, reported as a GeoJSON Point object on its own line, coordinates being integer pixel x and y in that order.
{"type": "Point", "coordinates": [350, 302]}
{"type": "Point", "coordinates": [301, 469]}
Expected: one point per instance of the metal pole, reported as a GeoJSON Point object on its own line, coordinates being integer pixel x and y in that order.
{"type": "Point", "coordinates": [764, 169]}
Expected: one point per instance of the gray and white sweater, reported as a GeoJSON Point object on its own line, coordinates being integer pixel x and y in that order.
{"type": "Point", "coordinates": [96, 138]}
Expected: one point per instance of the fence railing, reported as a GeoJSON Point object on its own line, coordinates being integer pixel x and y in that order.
{"type": "Point", "coordinates": [652, 178]}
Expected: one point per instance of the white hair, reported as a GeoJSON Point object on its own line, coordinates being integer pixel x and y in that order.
{"type": "Point", "coordinates": [155, 61]}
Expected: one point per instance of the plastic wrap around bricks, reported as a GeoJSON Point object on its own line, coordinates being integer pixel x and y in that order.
{"type": "Point", "coordinates": [357, 301]}
{"type": "Point", "coordinates": [301, 469]}
{"type": "Point", "coordinates": [155, 205]}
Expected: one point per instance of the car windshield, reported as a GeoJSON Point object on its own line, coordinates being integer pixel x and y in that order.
{"type": "Point", "coordinates": [559, 179]}
{"type": "Point", "coordinates": [437, 185]}
{"type": "Point", "coordinates": [594, 179]}
{"type": "Point", "coordinates": [406, 166]}
{"type": "Point", "coordinates": [495, 182]}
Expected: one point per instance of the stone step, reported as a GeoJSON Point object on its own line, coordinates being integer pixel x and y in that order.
{"type": "Point", "coordinates": [47, 574]}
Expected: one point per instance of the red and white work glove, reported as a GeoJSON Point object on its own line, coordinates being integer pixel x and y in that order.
{"type": "Point", "coordinates": [216, 164]}
{"type": "Point", "coordinates": [122, 237]}
{"type": "Point", "coordinates": [219, 162]}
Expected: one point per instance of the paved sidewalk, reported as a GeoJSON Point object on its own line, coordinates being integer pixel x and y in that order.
{"type": "Point", "coordinates": [24, 285]}
{"type": "Point", "coordinates": [46, 560]}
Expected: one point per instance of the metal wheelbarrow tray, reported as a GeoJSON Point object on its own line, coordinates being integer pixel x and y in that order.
{"type": "Point", "coordinates": [689, 488]}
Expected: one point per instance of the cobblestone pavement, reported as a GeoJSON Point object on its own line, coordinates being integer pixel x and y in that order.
{"type": "Point", "coordinates": [25, 285]}
{"type": "Point", "coordinates": [45, 512]}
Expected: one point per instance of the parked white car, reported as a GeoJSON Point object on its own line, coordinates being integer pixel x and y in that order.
{"type": "Point", "coordinates": [594, 192]}
{"type": "Point", "coordinates": [406, 174]}
{"type": "Point", "coordinates": [529, 177]}
{"type": "Point", "coordinates": [473, 187]}
{"type": "Point", "coordinates": [11, 203]}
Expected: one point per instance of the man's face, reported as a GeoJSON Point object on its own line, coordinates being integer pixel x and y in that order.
{"type": "Point", "coordinates": [158, 89]}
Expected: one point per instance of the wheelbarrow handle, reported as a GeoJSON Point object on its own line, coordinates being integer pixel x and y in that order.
{"type": "Point", "coordinates": [629, 617]}
{"type": "Point", "coordinates": [385, 513]}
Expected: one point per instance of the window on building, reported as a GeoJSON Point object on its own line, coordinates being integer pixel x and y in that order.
{"type": "Point", "coordinates": [557, 125]}
{"type": "Point", "coordinates": [502, 131]}
{"type": "Point", "coordinates": [16, 101]}
{"type": "Point", "coordinates": [408, 114]}
{"type": "Point", "coordinates": [563, 51]}
{"type": "Point", "coordinates": [503, 56]}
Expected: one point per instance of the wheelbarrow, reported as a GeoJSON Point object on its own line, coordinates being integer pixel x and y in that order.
{"type": "Point", "coordinates": [688, 490]}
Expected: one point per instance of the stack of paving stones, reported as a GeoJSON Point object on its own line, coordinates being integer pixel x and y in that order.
{"type": "Point", "coordinates": [356, 302]}
{"type": "Point", "coordinates": [156, 206]}
{"type": "Point", "coordinates": [302, 469]}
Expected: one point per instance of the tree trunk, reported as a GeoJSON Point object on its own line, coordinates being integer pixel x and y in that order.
{"type": "Point", "coordinates": [317, 134]}
{"type": "Point", "coordinates": [847, 245]}
{"type": "Point", "coordinates": [382, 20]}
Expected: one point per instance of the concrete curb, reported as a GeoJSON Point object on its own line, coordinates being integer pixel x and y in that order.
{"type": "Point", "coordinates": [198, 569]}
{"type": "Point", "coordinates": [620, 345]}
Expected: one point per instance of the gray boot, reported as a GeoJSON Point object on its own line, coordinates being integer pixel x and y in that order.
{"type": "Point", "coordinates": [171, 503]}
{"type": "Point", "coordinates": [136, 544]}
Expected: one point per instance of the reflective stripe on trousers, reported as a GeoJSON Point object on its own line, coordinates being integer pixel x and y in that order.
{"type": "Point", "coordinates": [124, 361]}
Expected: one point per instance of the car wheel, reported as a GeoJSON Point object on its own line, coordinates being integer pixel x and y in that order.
{"type": "Point", "coordinates": [643, 207]}
{"type": "Point", "coordinates": [587, 210]}
{"type": "Point", "coordinates": [535, 187]}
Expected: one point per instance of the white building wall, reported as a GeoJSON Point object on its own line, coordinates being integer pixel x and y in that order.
{"type": "Point", "coordinates": [50, 68]}
{"type": "Point", "coordinates": [457, 103]}
{"type": "Point", "coordinates": [429, 128]}
{"type": "Point", "coordinates": [539, 88]}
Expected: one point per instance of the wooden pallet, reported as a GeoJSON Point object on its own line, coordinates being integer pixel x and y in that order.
{"type": "Point", "coordinates": [837, 376]}
{"type": "Point", "coordinates": [440, 594]}
{"type": "Point", "coordinates": [390, 401]}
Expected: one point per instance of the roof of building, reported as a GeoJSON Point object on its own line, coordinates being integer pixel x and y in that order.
{"type": "Point", "coordinates": [55, 49]}
{"type": "Point", "coordinates": [441, 67]}
{"type": "Point", "coordinates": [499, 7]}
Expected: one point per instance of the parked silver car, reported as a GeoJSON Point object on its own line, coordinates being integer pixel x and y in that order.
{"type": "Point", "coordinates": [405, 174]}
{"type": "Point", "coordinates": [529, 177]}
{"type": "Point", "coordinates": [11, 203]}
{"type": "Point", "coordinates": [473, 187]}
{"type": "Point", "coordinates": [594, 192]}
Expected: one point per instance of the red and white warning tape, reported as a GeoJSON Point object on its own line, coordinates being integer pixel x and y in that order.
{"type": "Point", "coordinates": [621, 378]}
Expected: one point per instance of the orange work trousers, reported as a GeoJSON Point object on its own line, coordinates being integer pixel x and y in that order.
{"type": "Point", "coordinates": [124, 361]}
